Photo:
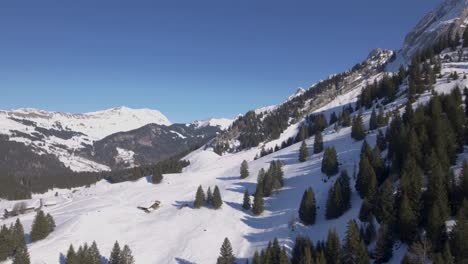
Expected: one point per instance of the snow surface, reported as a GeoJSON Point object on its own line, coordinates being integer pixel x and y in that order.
{"type": "Point", "coordinates": [222, 123]}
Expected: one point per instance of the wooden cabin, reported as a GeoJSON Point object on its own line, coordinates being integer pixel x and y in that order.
{"type": "Point", "coordinates": [148, 208]}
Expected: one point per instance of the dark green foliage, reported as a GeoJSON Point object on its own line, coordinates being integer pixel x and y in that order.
{"type": "Point", "coordinates": [72, 258]}
{"type": "Point", "coordinates": [272, 179]}
{"type": "Point", "coordinates": [226, 256]}
{"type": "Point", "coordinates": [318, 142]}
{"type": "Point", "coordinates": [307, 208]}
{"type": "Point", "coordinates": [381, 119]}
{"type": "Point", "coordinates": [366, 183]}
{"type": "Point", "coordinates": [21, 256]}
{"type": "Point", "coordinates": [465, 38]}
{"type": "Point", "coordinates": [244, 170]}
{"type": "Point", "coordinates": [42, 226]}
{"type": "Point", "coordinates": [373, 121]}
{"type": "Point", "coordinates": [354, 249]}
{"type": "Point", "coordinates": [381, 142]}
{"type": "Point", "coordinates": [199, 198]}
{"type": "Point", "coordinates": [365, 212]}
{"type": "Point", "coordinates": [258, 204]}
{"type": "Point", "coordinates": [407, 221]}
{"type": "Point", "coordinates": [115, 257]}
{"type": "Point", "coordinates": [303, 152]}
{"type": "Point", "coordinates": [246, 201]}
{"type": "Point", "coordinates": [126, 255]}
{"type": "Point", "coordinates": [333, 248]}
{"type": "Point", "coordinates": [302, 251]}
{"type": "Point", "coordinates": [384, 206]}
{"type": "Point", "coordinates": [357, 130]}
{"type": "Point", "coordinates": [93, 255]}
{"type": "Point", "coordinates": [339, 197]}
{"type": "Point", "coordinates": [217, 200]}
{"type": "Point", "coordinates": [333, 118]}
{"type": "Point", "coordinates": [459, 235]}
{"type": "Point", "coordinates": [384, 246]}
{"type": "Point", "coordinates": [464, 178]}
{"type": "Point", "coordinates": [330, 162]}
{"type": "Point", "coordinates": [157, 174]}
{"type": "Point", "coordinates": [209, 197]}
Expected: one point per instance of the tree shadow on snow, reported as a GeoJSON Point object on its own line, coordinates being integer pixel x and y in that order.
{"type": "Point", "coordinates": [62, 259]}
{"type": "Point", "coordinates": [183, 204]}
{"type": "Point", "coordinates": [241, 186]}
{"type": "Point", "coordinates": [183, 261]}
{"type": "Point", "coordinates": [228, 178]}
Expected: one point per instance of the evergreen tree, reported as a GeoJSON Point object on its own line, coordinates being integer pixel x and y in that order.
{"type": "Point", "coordinates": [354, 249]}
{"type": "Point", "coordinates": [365, 212]}
{"type": "Point", "coordinates": [330, 162]}
{"type": "Point", "coordinates": [465, 38]}
{"type": "Point", "coordinates": [357, 129]}
{"type": "Point", "coordinates": [72, 258]}
{"type": "Point", "coordinates": [94, 257]}
{"type": "Point", "coordinates": [246, 202]}
{"type": "Point", "coordinates": [157, 174]}
{"type": "Point", "coordinates": [373, 120]}
{"type": "Point", "coordinates": [303, 152]}
{"type": "Point", "coordinates": [333, 118]}
{"type": "Point", "coordinates": [256, 258]}
{"type": "Point", "coordinates": [333, 248]}
{"type": "Point", "coordinates": [40, 227]}
{"type": "Point", "coordinates": [126, 255]}
{"type": "Point", "coordinates": [464, 176]}
{"type": "Point", "coordinates": [384, 245]}
{"type": "Point", "coordinates": [244, 170]}
{"type": "Point", "coordinates": [115, 257]}
{"type": "Point", "coordinates": [381, 120]}
{"type": "Point", "coordinates": [51, 222]}
{"type": "Point", "coordinates": [366, 183]}
{"type": "Point", "coordinates": [318, 142]}
{"type": "Point", "coordinates": [339, 197]}
{"type": "Point", "coordinates": [284, 259]}
{"type": "Point", "coordinates": [307, 208]}
{"type": "Point", "coordinates": [21, 256]}
{"type": "Point", "coordinates": [199, 198]}
{"type": "Point", "coordinates": [226, 255]}
{"type": "Point", "coordinates": [217, 201]}
{"type": "Point", "coordinates": [17, 233]}
{"type": "Point", "coordinates": [209, 197]}
{"type": "Point", "coordinates": [381, 142]}
{"type": "Point", "coordinates": [459, 235]}
{"type": "Point", "coordinates": [407, 221]}
{"type": "Point", "coordinates": [384, 207]}
{"type": "Point", "coordinates": [258, 204]}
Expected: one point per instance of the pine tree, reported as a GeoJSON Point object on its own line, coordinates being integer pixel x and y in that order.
{"type": "Point", "coordinates": [94, 257]}
{"type": "Point", "coordinates": [366, 183]}
{"type": "Point", "coordinates": [226, 255]}
{"type": "Point", "coordinates": [333, 248]}
{"type": "Point", "coordinates": [303, 152]}
{"type": "Point", "coordinates": [258, 206]}
{"type": "Point", "coordinates": [373, 121]}
{"type": "Point", "coordinates": [256, 258]}
{"type": "Point", "coordinates": [199, 198]}
{"type": "Point", "coordinates": [354, 249]}
{"type": "Point", "coordinates": [318, 142]}
{"type": "Point", "coordinates": [464, 176]}
{"type": "Point", "coordinates": [157, 174]}
{"type": "Point", "coordinates": [21, 256]}
{"type": "Point", "coordinates": [40, 227]}
{"type": "Point", "coordinates": [381, 120]}
{"type": "Point", "coordinates": [217, 201]}
{"type": "Point", "coordinates": [51, 222]}
{"type": "Point", "coordinates": [209, 197]}
{"type": "Point", "coordinates": [357, 129]}
{"type": "Point", "coordinates": [284, 259]}
{"type": "Point", "coordinates": [246, 202]}
{"type": "Point", "coordinates": [244, 170]}
{"type": "Point", "coordinates": [384, 245]}
{"type": "Point", "coordinates": [365, 212]}
{"type": "Point", "coordinates": [459, 235]}
{"type": "Point", "coordinates": [407, 222]}
{"type": "Point", "coordinates": [465, 38]}
{"type": "Point", "coordinates": [330, 162]}
{"type": "Point", "coordinates": [18, 235]}
{"type": "Point", "coordinates": [307, 208]}
{"type": "Point", "coordinates": [126, 255]}
{"type": "Point", "coordinates": [115, 257]}
{"type": "Point", "coordinates": [384, 207]}
{"type": "Point", "coordinates": [72, 258]}
{"type": "Point", "coordinates": [381, 141]}
{"type": "Point", "coordinates": [333, 118]}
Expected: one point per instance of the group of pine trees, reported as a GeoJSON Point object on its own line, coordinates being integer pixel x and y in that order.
{"type": "Point", "coordinates": [13, 243]}
{"type": "Point", "coordinates": [267, 182]}
{"type": "Point", "coordinates": [212, 199]}
{"type": "Point", "coordinates": [42, 226]}
{"type": "Point", "coordinates": [339, 197]}
{"type": "Point", "coordinates": [91, 255]}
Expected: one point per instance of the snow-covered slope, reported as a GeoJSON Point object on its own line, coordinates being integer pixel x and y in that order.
{"type": "Point", "coordinates": [222, 123]}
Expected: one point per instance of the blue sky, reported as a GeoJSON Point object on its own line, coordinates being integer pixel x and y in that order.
{"type": "Point", "coordinates": [189, 59]}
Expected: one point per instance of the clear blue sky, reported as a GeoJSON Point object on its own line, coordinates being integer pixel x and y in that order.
{"type": "Point", "coordinates": [191, 59]}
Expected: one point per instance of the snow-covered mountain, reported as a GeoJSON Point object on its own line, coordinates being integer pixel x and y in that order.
{"type": "Point", "coordinates": [77, 139]}
{"type": "Point", "coordinates": [446, 21]}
